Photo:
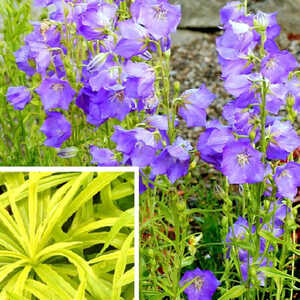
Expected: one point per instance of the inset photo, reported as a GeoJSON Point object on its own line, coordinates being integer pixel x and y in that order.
{"type": "Point", "coordinates": [68, 233]}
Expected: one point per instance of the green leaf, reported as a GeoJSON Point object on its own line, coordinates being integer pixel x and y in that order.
{"type": "Point", "coordinates": [234, 292]}
{"type": "Point", "coordinates": [55, 281]}
{"type": "Point", "coordinates": [120, 267]}
{"type": "Point", "coordinates": [126, 220]}
{"type": "Point", "coordinates": [127, 278]}
{"type": "Point", "coordinates": [272, 272]}
{"type": "Point", "coordinates": [41, 291]}
{"type": "Point", "coordinates": [111, 256]}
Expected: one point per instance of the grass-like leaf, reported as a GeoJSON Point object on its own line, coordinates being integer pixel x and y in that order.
{"type": "Point", "coordinates": [56, 244]}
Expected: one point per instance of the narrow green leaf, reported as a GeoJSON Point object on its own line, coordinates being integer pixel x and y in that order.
{"type": "Point", "coordinates": [20, 283]}
{"type": "Point", "coordinates": [95, 186]}
{"type": "Point", "coordinates": [7, 269]}
{"type": "Point", "coordinates": [126, 218]}
{"type": "Point", "coordinates": [234, 292]}
{"type": "Point", "coordinates": [111, 256]}
{"type": "Point", "coordinates": [55, 281]}
{"type": "Point", "coordinates": [48, 251]}
{"type": "Point", "coordinates": [41, 291]}
{"type": "Point", "coordinates": [120, 267]}
{"type": "Point", "coordinates": [272, 272]}
{"type": "Point", "coordinates": [122, 190]}
{"type": "Point", "coordinates": [127, 278]}
{"type": "Point", "coordinates": [96, 286]}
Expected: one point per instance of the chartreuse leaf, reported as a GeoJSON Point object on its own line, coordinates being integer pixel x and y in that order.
{"type": "Point", "coordinates": [94, 187]}
{"type": "Point", "coordinates": [7, 269]}
{"type": "Point", "coordinates": [47, 232]}
{"type": "Point", "coordinates": [45, 183]}
{"type": "Point", "coordinates": [122, 190]}
{"type": "Point", "coordinates": [234, 292]}
{"type": "Point", "coordinates": [97, 287]}
{"type": "Point", "coordinates": [57, 212]}
{"type": "Point", "coordinates": [55, 281]}
{"type": "Point", "coordinates": [126, 220]}
{"type": "Point", "coordinates": [20, 282]}
{"type": "Point", "coordinates": [114, 255]}
{"type": "Point", "coordinates": [107, 222]}
{"type": "Point", "coordinates": [8, 242]}
{"type": "Point", "coordinates": [41, 290]}
{"type": "Point", "coordinates": [10, 225]}
{"type": "Point", "coordinates": [107, 207]}
{"type": "Point", "coordinates": [127, 277]}
{"type": "Point", "coordinates": [120, 267]}
{"type": "Point", "coordinates": [80, 294]}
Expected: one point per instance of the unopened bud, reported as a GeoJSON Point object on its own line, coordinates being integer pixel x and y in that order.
{"type": "Point", "coordinates": [181, 206]}
{"type": "Point", "coordinates": [177, 87]}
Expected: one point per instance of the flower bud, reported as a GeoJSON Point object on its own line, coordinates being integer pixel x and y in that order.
{"type": "Point", "coordinates": [252, 135]}
{"type": "Point", "coordinates": [181, 206]}
{"type": "Point", "coordinates": [290, 101]}
{"type": "Point", "coordinates": [176, 87]}
{"type": "Point", "coordinates": [193, 164]}
{"type": "Point", "coordinates": [224, 222]}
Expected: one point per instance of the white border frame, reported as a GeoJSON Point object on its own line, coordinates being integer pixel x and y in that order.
{"type": "Point", "coordinates": [135, 170]}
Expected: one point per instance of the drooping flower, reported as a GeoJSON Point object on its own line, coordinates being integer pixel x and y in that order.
{"type": "Point", "coordinates": [133, 39]}
{"type": "Point", "coordinates": [159, 17]}
{"type": "Point", "coordinates": [231, 11]}
{"type": "Point", "coordinates": [94, 22]}
{"type": "Point", "coordinates": [137, 145]}
{"type": "Point", "coordinates": [103, 157]}
{"type": "Point", "coordinates": [195, 101]}
{"type": "Point", "coordinates": [268, 22]}
{"type": "Point", "coordinates": [242, 163]}
{"type": "Point", "coordinates": [203, 287]}
{"type": "Point", "coordinates": [55, 93]}
{"type": "Point", "coordinates": [18, 96]}
{"type": "Point", "coordinates": [212, 142]}
{"type": "Point", "coordinates": [284, 140]}
{"type": "Point", "coordinates": [173, 161]}
{"type": "Point", "coordinates": [57, 129]}
{"type": "Point", "coordinates": [287, 179]}
{"type": "Point", "coordinates": [277, 65]}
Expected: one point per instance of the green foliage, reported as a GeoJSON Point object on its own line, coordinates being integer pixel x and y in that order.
{"type": "Point", "coordinates": [65, 236]}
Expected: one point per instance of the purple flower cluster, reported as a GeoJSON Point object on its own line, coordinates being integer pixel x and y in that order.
{"type": "Point", "coordinates": [251, 62]}
{"type": "Point", "coordinates": [107, 70]}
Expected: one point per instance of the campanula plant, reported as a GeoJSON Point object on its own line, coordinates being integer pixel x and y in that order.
{"type": "Point", "coordinates": [98, 87]}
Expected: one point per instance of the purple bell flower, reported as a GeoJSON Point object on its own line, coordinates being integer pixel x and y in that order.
{"type": "Point", "coordinates": [287, 179]}
{"type": "Point", "coordinates": [94, 22]}
{"type": "Point", "coordinates": [195, 101]}
{"type": "Point", "coordinates": [159, 17]}
{"type": "Point", "coordinates": [137, 145]}
{"type": "Point", "coordinates": [204, 285]}
{"type": "Point", "coordinates": [103, 157]}
{"type": "Point", "coordinates": [173, 161]}
{"type": "Point", "coordinates": [133, 39]}
{"type": "Point", "coordinates": [284, 140]}
{"type": "Point", "coordinates": [18, 96]}
{"type": "Point", "coordinates": [212, 142]}
{"type": "Point", "coordinates": [242, 163]}
{"type": "Point", "coordinates": [259, 275]}
{"type": "Point", "coordinates": [55, 93]}
{"type": "Point", "coordinates": [56, 128]}
{"type": "Point", "coordinates": [277, 65]}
